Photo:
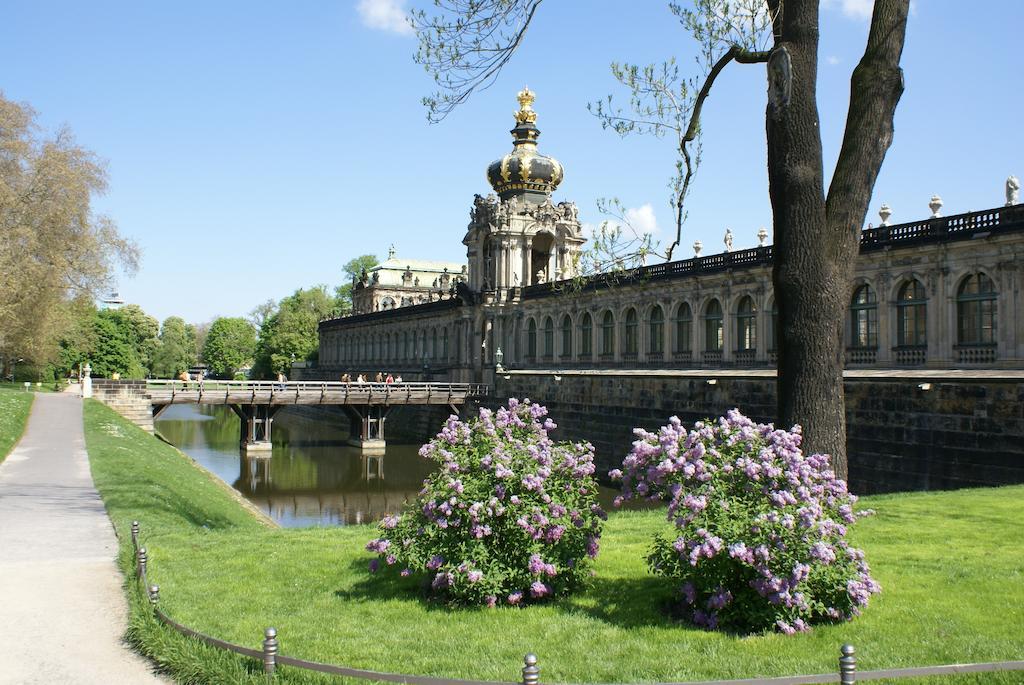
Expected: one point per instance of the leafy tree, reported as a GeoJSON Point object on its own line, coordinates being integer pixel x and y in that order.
{"type": "Point", "coordinates": [229, 345]}
{"type": "Point", "coordinates": [54, 247]}
{"type": "Point", "coordinates": [144, 333]}
{"type": "Point", "coordinates": [177, 349]}
{"type": "Point", "coordinates": [292, 333]}
{"type": "Point", "coordinates": [115, 350]}
{"type": "Point", "coordinates": [465, 43]}
{"type": "Point", "coordinates": [353, 268]}
{"type": "Point", "coordinates": [78, 339]}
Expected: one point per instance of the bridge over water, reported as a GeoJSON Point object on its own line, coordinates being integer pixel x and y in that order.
{"type": "Point", "coordinates": [256, 402]}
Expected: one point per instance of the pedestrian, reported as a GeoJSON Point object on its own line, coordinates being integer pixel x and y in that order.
{"type": "Point", "coordinates": [398, 379]}
{"type": "Point", "coordinates": [184, 378]}
{"type": "Point", "coordinates": [389, 379]}
{"type": "Point", "coordinates": [345, 378]}
{"type": "Point", "coordinates": [380, 377]}
{"type": "Point", "coordinates": [360, 379]}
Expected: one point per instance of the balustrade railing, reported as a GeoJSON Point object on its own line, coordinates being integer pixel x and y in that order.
{"type": "Point", "coordinates": [958, 227]}
{"type": "Point", "coordinates": [269, 653]}
{"type": "Point", "coordinates": [910, 356]}
{"type": "Point", "coordinates": [861, 355]}
{"type": "Point", "coordinates": [976, 354]}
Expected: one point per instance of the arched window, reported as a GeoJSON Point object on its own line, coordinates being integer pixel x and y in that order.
{"type": "Point", "coordinates": [684, 328]}
{"type": "Point", "coordinates": [714, 336]}
{"type": "Point", "coordinates": [444, 344]}
{"type": "Point", "coordinates": [549, 338]}
{"type": "Point", "coordinates": [656, 332]}
{"type": "Point", "coordinates": [406, 349]}
{"type": "Point", "coordinates": [629, 339]}
{"type": "Point", "coordinates": [566, 352]}
{"type": "Point", "coordinates": [746, 325]}
{"type": "Point", "coordinates": [433, 344]}
{"type": "Point", "coordinates": [586, 335]}
{"type": "Point", "coordinates": [608, 335]}
{"type": "Point", "coordinates": [976, 311]}
{"type": "Point", "coordinates": [864, 318]}
{"type": "Point", "coordinates": [531, 340]}
{"type": "Point", "coordinates": [911, 315]}
{"type": "Point", "coordinates": [772, 333]}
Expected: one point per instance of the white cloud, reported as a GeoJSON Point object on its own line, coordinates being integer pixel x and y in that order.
{"type": "Point", "coordinates": [642, 220]}
{"type": "Point", "coordinates": [832, 60]}
{"type": "Point", "coordinates": [855, 9]}
{"type": "Point", "coordinates": [385, 15]}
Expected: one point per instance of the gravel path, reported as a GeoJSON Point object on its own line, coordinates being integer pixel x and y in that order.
{"type": "Point", "coordinates": [61, 604]}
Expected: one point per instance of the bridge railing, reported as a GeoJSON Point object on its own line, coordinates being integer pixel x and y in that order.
{"type": "Point", "coordinates": [278, 387]}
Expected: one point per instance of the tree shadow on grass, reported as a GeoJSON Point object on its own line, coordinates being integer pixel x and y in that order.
{"type": "Point", "coordinates": [621, 602]}
{"type": "Point", "coordinates": [624, 602]}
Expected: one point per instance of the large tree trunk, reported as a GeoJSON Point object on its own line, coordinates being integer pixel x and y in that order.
{"type": "Point", "coordinates": [816, 241]}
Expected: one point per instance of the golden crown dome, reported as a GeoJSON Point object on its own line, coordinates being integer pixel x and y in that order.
{"type": "Point", "coordinates": [524, 171]}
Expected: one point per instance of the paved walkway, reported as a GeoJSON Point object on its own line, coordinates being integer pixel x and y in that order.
{"type": "Point", "coordinates": [62, 609]}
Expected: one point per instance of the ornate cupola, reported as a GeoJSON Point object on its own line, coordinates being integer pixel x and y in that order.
{"type": "Point", "coordinates": [524, 172]}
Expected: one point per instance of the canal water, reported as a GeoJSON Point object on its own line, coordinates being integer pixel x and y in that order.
{"type": "Point", "coordinates": [311, 478]}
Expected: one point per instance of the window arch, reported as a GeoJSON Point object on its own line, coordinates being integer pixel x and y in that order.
{"type": "Point", "coordinates": [911, 315]}
{"type": "Point", "coordinates": [976, 311]}
{"type": "Point", "coordinates": [444, 344]}
{"type": "Point", "coordinates": [656, 331]}
{"type": "Point", "coordinates": [630, 333]}
{"type": "Point", "coordinates": [531, 339]}
{"type": "Point", "coordinates": [746, 324]}
{"type": "Point", "coordinates": [864, 318]}
{"type": "Point", "coordinates": [586, 335]}
{"type": "Point", "coordinates": [549, 338]}
{"type": "Point", "coordinates": [566, 350]}
{"type": "Point", "coordinates": [608, 334]}
{"type": "Point", "coordinates": [714, 334]}
{"type": "Point", "coordinates": [406, 349]}
{"type": "Point", "coordinates": [684, 328]}
{"type": "Point", "coordinates": [773, 322]}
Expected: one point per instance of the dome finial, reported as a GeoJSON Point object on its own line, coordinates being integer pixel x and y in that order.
{"type": "Point", "coordinates": [526, 115]}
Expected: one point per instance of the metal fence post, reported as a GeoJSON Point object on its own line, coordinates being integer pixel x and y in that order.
{"type": "Point", "coordinates": [847, 666]}
{"type": "Point", "coordinates": [140, 558]}
{"type": "Point", "coordinates": [135, 534]}
{"type": "Point", "coordinates": [269, 652]}
{"type": "Point", "coordinates": [154, 596]}
{"type": "Point", "coordinates": [531, 674]}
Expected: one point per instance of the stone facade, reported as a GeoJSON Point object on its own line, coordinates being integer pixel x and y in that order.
{"type": "Point", "coordinates": [398, 282]}
{"type": "Point", "coordinates": [943, 292]}
{"type": "Point", "coordinates": [906, 430]}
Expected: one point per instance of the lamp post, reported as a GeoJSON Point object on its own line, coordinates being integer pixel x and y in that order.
{"type": "Point", "coordinates": [498, 357]}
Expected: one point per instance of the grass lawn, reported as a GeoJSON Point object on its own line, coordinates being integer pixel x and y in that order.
{"type": "Point", "coordinates": [950, 564]}
{"type": "Point", "coordinates": [14, 408]}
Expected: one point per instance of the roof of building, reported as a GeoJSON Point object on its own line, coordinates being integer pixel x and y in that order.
{"type": "Point", "coordinates": [390, 271]}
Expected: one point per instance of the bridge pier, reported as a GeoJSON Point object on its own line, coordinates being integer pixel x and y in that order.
{"type": "Point", "coordinates": [366, 427]}
{"type": "Point", "coordinates": [257, 421]}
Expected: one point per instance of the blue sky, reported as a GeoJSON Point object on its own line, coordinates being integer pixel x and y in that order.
{"type": "Point", "coordinates": [253, 148]}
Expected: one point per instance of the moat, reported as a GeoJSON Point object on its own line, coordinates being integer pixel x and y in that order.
{"type": "Point", "coordinates": [311, 478]}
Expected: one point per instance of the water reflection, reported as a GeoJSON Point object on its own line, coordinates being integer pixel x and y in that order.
{"type": "Point", "coordinates": [311, 477]}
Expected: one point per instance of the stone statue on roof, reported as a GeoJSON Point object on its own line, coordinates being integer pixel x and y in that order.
{"type": "Point", "coordinates": [1012, 191]}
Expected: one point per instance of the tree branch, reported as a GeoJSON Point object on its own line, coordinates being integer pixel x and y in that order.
{"type": "Point", "coordinates": [734, 53]}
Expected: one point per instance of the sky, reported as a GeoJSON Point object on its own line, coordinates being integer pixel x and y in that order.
{"type": "Point", "coordinates": [253, 147]}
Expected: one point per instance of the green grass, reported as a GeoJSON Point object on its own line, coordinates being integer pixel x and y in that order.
{"type": "Point", "coordinates": [14, 408]}
{"type": "Point", "coordinates": [950, 565]}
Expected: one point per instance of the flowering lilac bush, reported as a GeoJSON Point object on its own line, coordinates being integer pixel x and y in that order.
{"type": "Point", "coordinates": [509, 517]}
{"type": "Point", "coordinates": [760, 527]}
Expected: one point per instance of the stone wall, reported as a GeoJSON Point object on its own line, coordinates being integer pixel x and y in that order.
{"type": "Point", "coordinates": [128, 398]}
{"type": "Point", "coordinates": [962, 431]}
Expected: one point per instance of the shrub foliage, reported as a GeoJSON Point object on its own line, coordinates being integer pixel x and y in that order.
{"type": "Point", "coordinates": [509, 517]}
{"type": "Point", "coordinates": [760, 528]}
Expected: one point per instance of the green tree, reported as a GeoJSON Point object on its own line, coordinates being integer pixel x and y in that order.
{"type": "Point", "coordinates": [465, 43]}
{"type": "Point", "coordinates": [144, 334]}
{"type": "Point", "coordinates": [54, 247]}
{"type": "Point", "coordinates": [229, 345]}
{"type": "Point", "coordinates": [78, 338]}
{"type": "Point", "coordinates": [177, 349]}
{"type": "Point", "coordinates": [353, 268]}
{"type": "Point", "coordinates": [292, 333]}
{"type": "Point", "coordinates": [114, 350]}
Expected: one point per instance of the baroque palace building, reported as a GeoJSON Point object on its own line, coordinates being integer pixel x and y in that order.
{"type": "Point", "coordinates": [943, 292]}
